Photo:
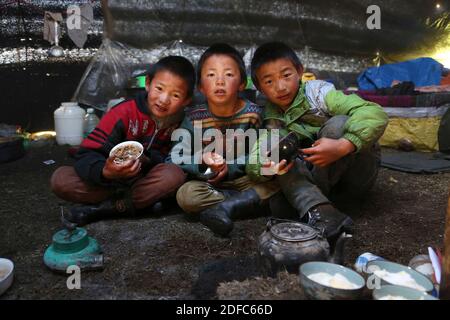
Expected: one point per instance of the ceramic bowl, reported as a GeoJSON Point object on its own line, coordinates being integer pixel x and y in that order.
{"type": "Point", "coordinates": [390, 292]}
{"type": "Point", "coordinates": [128, 143]}
{"type": "Point", "coordinates": [386, 278]}
{"type": "Point", "coordinates": [320, 291]}
{"type": "Point", "coordinates": [422, 264]}
{"type": "Point", "coordinates": [6, 274]}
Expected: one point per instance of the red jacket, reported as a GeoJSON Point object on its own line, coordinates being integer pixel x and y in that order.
{"type": "Point", "coordinates": [129, 120]}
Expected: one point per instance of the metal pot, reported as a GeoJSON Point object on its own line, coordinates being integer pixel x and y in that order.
{"type": "Point", "coordinates": [287, 244]}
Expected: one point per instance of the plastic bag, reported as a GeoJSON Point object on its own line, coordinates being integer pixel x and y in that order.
{"type": "Point", "coordinates": [115, 63]}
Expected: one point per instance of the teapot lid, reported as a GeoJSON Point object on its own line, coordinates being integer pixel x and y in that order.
{"type": "Point", "coordinates": [293, 231]}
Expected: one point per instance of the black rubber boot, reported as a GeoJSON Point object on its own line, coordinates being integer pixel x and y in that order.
{"type": "Point", "coordinates": [280, 208]}
{"type": "Point", "coordinates": [220, 217]}
{"type": "Point", "coordinates": [329, 219]}
{"type": "Point", "coordinates": [85, 214]}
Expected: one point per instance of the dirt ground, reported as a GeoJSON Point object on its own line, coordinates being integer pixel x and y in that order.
{"type": "Point", "coordinates": [169, 257]}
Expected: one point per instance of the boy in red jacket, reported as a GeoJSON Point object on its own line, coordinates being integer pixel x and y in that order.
{"type": "Point", "coordinates": [106, 188]}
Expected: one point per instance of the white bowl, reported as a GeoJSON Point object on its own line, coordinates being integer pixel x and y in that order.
{"type": "Point", "coordinates": [6, 274]}
{"type": "Point", "coordinates": [319, 291]}
{"type": "Point", "coordinates": [400, 293]}
{"type": "Point", "coordinates": [128, 143]}
{"type": "Point", "coordinates": [392, 267]}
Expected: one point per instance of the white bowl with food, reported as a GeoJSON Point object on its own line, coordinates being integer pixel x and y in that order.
{"type": "Point", "coordinates": [391, 292]}
{"type": "Point", "coordinates": [6, 274]}
{"type": "Point", "coordinates": [329, 281]}
{"type": "Point", "coordinates": [396, 274]}
{"type": "Point", "coordinates": [125, 151]}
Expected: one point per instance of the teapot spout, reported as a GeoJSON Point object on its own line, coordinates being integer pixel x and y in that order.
{"type": "Point", "coordinates": [338, 252]}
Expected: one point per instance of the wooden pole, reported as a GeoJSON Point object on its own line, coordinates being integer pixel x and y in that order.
{"type": "Point", "coordinates": [444, 291]}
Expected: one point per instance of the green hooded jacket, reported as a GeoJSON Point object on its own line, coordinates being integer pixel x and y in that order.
{"type": "Point", "coordinates": [316, 102]}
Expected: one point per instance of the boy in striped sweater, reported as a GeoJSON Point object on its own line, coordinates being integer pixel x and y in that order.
{"type": "Point", "coordinates": [220, 191]}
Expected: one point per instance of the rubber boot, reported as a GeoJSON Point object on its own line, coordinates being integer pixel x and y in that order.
{"type": "Point", "coordinates": [85, 214]}
{"type": "Point", "coordinates": [280, 208]}
{"type": "Point", "coordinates": [220, 217]}
{"type": "Point", "coordinates": [329, 219]}
{"type": "Point", "coordinates": [308, 200]}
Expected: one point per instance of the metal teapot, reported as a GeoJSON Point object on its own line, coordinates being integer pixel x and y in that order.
{"type": "Point", "coordinates": [288, 244]}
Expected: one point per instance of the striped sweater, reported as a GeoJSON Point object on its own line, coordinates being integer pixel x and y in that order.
{"type": "Point", "coordinates": [200, 120]}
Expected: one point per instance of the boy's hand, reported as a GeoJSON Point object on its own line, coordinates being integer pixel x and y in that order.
{"type": "Point", "coordinates": [145, 161]}
{"type": "Point", "coordinates": [214, 161]}
{"type": "Point", "coordinates": [272, 168]}
{"type": "Point", "coordinates": [217, 164]}
{"type": "Point", "coordinates": [220, 176]}
{"type": "Point", "coordinates": [325, 151]}
{"type": "Point", "coordinates": [127, 169]}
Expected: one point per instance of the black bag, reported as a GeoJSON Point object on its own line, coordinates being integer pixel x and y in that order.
{"type": "Point", "coordinates": [11, 148]}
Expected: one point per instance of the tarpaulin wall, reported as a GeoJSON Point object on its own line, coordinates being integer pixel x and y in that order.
{"type": "Point", "coordinates": [331, 37]}
{"type": "Point", "coordinates": [327, 35]}
{"type": "Point", "coordinates": [331, 26]}
{"type": "Point", "coordinates": [324, 25]}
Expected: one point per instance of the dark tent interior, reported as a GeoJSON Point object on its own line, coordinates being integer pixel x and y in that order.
{"type": "Point", "coordinates": [169, 256]}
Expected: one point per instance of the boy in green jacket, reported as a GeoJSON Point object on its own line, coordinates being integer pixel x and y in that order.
{"type": "Point", "coordinates": [340, 130]}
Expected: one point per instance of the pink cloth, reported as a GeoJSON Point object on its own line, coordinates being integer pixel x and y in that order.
{"type": "Point", "coordinates": [386, 101]}
{"type": "Point", "coordinates": [441, 88]}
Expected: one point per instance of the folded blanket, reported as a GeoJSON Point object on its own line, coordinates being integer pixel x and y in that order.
{"type": "Point", "coordinates": [419, 100]}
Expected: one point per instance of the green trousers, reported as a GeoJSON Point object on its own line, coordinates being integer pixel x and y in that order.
{"type": "Point", "coordinates": [195, 196]}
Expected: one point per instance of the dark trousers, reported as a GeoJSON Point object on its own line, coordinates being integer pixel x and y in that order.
{"type": "Point", "coordinates": [306, 185]}
{"type": "Point", "coordinates": [159, 182]}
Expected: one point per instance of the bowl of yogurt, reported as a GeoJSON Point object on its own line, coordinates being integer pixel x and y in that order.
{"type": "Point", "coordinates": [390, 292]}
{"type": "Point", "coordinates": [6, 274]}
{"type": "Point", "coordinates": [330, 281]}
{"type": "Point", "coordinates": [391, 273]}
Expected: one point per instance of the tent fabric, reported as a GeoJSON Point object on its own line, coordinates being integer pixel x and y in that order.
{"type": "Point", "coordinates": [421, 71]}
{"type": "Point", "coordinates": [320, 25]}
{"type": "Point", "coordinates": [338, 26]}
{"type": "Point", "coordinates": [337, 31]}
{"type": "Point", "coordinates": [414, 162]}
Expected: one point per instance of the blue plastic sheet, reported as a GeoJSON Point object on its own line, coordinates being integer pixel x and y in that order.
{"type": "Point", "coordinates": [421, 71]}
